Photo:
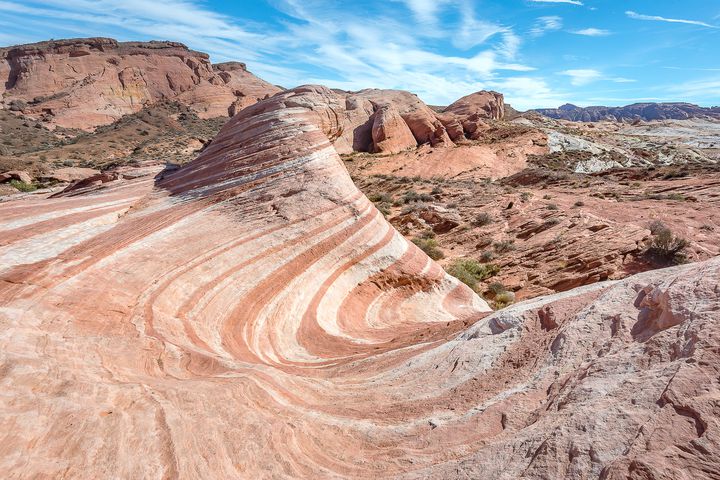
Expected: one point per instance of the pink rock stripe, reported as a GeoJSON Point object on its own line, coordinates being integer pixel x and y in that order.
{"type": "Point", "coordinates": [252, 315]}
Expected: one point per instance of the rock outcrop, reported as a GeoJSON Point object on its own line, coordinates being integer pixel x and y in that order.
{"type": "Point", "coordinates": [483, 104]}
{"type": "Point", "coordinates": [390, 133]}
{"type": "Point", "coordinates": [253, 315]}
{"type": "Point", "coordinates": [636, 111]}
{"type": "Point", "coordinates": [83, 83]}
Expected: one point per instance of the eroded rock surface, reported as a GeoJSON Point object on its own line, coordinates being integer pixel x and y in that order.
{"type": "Point", "coordinates": [83, 83]}
{"type": "Point", "coordinates": [252, 315]}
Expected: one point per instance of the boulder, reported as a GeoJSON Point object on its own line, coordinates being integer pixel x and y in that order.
{"type": "Point", "coordinates": [390, 133]}
{"type": "Point", "coordinates": [20, 175]}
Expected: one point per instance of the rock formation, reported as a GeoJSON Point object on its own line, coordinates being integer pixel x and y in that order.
{"type": "Point", "coordinates": [83, 83]}
{"type": "Point", "coordinates": [483, 104]}
{"type": "Point", "coordinates": [636, 111]}
{"type": "Point", "coordinates": [253, 315]}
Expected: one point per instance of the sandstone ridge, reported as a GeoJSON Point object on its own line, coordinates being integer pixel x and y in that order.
{"type": "Point", "coordinates": [253, 315]}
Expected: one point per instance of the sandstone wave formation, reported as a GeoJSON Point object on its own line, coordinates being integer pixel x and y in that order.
{"type": "Point", "coordinates": [83, 83]}
{"type": "Point", "coordinates": [252, 315]}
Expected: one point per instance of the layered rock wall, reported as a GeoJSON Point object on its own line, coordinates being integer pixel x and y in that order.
{"type": "Point", "coordinates": [83, 83]}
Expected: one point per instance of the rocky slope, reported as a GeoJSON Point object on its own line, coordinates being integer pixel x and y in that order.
{"type": "Point", "coordinates": [253, 315]}
{"type": "Point", "coordinates": [636, 111]}
{"type": "Point", "coordinates": [83, 83]}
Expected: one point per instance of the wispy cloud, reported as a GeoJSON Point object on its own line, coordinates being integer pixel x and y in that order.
{"type": "Point", "coordinates": [425, 11]}
{"type": "Point", "coordinates": [655, 18]}
{"type": "Point", "coordinates": [584, 76]}
{"type": "Point", "coordinates": [546, 24]}
{"type": "Point", "coordinates": [473, 31]}
{"type": "Point", "coordinates": [706, 88]}
{"type": "Point", "coordinates": [572, 2]}
{"type": "Point", "coordinates": [592, 32]}
{"type": "Point", "coordinates": [580, 77]}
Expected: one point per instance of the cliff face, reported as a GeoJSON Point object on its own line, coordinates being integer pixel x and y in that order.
{"type": "Point", "coordinates": [252, 315]}
{"type": "Point", "coordinates": [83, 83]}
{"type": "Point", "coordinates": [637, 111]}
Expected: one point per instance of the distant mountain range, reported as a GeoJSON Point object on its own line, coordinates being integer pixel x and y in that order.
{"type": "Point", "coordinates": [636, 111]}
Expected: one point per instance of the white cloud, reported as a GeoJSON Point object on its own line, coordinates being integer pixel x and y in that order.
{"type": "Point", "coordinates": [546, 24]}
{"type": "Point", "coordinates": [580, 77]}
{"type": "Point", "coordinates": [585, 76]}
{"type": "Point", "coordinates": [655, 18]}
{"type": "Point", "coordinates": [592, 32]}
{"type": "Point", "coordinates": [472, 31]}
{"type": "Point", "coordinates": [705, 89]}
{"type": "Point", "coordinates": [524, 93]}
{"type": "Point", "coordinates": [572, 2]}
{"type": "Point", "coordinates": [425, 11]}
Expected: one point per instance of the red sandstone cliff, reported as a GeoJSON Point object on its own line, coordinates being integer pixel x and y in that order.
{"type": "Point", "coordinates": [83, 83]}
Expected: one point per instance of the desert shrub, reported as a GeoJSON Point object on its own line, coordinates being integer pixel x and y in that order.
{"type": "Point", "coordinates": [665, 245]}
{"type": "Point", "coordinates": [483, 219]}
{"type": "Point", "coordinates": [22, 186]}
{"type": "Point", "coordinates": [381, 198]}
{"type": "Point", "coordinates": [427, 234]}
{"type": "Point", "coordinates": [487, 256]}
{"type": "Point", "coordinates": [552, 206]}
{"type": "Point", "coordinates": [411, 196]}
{"type": "Point", "coordinates": [551, 222]}
{"type": "Point", "coordinates": [579, 203]}
{"type": "Point", "coordinates": [525, 196]}
{"type": "Point", "coordinates": [503, 300]}
{"type": "Point", "coordinates": [436, 191]}
{"type": "Point", "coordinates": [497, 288]}
{"type": "Point", "coordinates": [546, 197]}
{"type": "Point", "coordinates": [470, 272]}
{"type": "Point", "coordinates": [504, 246]}
{"type": "Point", "coordinates": [430, 247]}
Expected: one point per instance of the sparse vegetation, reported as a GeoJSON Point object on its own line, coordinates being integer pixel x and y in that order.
{"type": "Point", "coordinates": [430, 247]}
{"type": "Point", "coordinates": [503, 300]}
{"type": "Point", "coordinates": [483, 219]}
{"type": "Point", "coordinates": [487, 256]}
{"type": "Point", "coordinates": [665, 245]}
{"type": "Point", "coordinates": [497, 288]}
{"type": "Point", "coordinates": [470, 272]}
{"type": "Point", "coordinates": [525, 196]}
{"type": "Point", "coordinates": [552, 206]}
{"type": "Point", "coordinates": [579, 203]}
{"type": "Point", "coordinates": [411, 196]}
{"type": "Point", "coordinates": [22, 186]}
{"type": "Point", "coordinates": [504, 246]}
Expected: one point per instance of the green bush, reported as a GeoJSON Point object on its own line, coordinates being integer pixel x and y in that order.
{"type": "Point", "coordinates": [430, 247]}
{"type": "Point", "coordinates": [470, 272]}
{"type": "Point", "coordinates": [22, 186]}
{"type": "Point", "coordinates": [487, 256]}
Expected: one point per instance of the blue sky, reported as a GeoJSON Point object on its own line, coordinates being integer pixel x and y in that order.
{"type": "Point", "coordinates": [538, 53]}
